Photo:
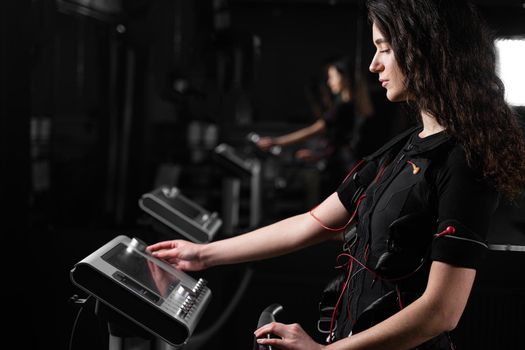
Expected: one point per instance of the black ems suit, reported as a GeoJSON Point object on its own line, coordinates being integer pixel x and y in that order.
{"type": "Point", "coordinates": [417, 201]}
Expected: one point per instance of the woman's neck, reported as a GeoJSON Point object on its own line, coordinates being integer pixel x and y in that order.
{"type": "Point", "coordinates": [346, 96]}
{"type": "Point", "coordinates": [430, 125]}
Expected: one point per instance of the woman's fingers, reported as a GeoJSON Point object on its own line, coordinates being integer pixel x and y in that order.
{"type": "Point", "coordinates": [161, 245]}
{"type": "Point", "coordinates": [274, 328]}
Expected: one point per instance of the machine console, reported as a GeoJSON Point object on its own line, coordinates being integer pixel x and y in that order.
{"type": "Point", "coordinates": [150, 292]}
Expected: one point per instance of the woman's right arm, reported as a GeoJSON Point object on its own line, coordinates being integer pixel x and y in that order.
{"type": "Point", "coordinates": [293, 137]}
{"type": "Point", "coordinates": [280, 238]}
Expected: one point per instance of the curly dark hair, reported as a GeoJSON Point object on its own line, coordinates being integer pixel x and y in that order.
{"type": "Point", "coordinates": [447, 54]}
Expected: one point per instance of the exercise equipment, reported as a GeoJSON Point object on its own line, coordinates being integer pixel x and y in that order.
{"type": "Point", "coordinates": [135, 286]}
{"type": "Point", "coordinates": [169, 206]}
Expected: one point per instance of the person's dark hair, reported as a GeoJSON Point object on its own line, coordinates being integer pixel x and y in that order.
{"type": "Point", "coordinates": [356, 83]}
{"type": "Point", "coordinates": [448, 58]}
{"type": "Point", "coordinates": [344, 66]}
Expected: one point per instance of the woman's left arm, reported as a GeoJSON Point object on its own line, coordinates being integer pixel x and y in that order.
{"type": "Point", "coordinates": [437, 310]}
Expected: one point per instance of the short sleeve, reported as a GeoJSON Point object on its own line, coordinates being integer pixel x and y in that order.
{"type": "Point", "coordinates": [465, 206]}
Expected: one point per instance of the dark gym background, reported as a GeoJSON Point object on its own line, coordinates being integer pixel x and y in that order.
{"type": "Point", "coordinates": [99, 97]}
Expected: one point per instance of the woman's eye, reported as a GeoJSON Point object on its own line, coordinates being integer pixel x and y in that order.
{"type": "Point", "coordinates": [384, 51]}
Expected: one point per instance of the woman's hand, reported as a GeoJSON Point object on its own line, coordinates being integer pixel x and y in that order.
{"type": "Point", "coordinates": [265, 143]}
{"type": "Point", "coordinates": [306, 155]}
{"type": "Point", "coordinates": [291, 336]}
{"type": "Point", "coordinates": [183, 255]}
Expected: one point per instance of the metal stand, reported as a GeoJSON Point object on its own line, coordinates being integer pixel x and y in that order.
{"type": "Point", "coordinates": [231, 199]}
{"type": "Point", "coordinates": [137, 343]}
{"type": "Point", "coordinates": [255, 194]}
{"type": "Point", "coordinates": [126, 335]}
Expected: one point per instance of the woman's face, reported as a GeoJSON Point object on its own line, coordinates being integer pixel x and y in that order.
{"type": "Point", "coordinates": [384, 63]}
{"type": "Point", "coordinates": [335, 81]}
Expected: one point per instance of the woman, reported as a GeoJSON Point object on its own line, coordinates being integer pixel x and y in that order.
{"type": "Point", "coordinates": [338, 125]}
{"type": "Point", "coordinates": [415, 214]}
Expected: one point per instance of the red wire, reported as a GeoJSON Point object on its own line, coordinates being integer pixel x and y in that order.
{"type": "Point", "coordinates": [379, 173]}
{"type": "Point", "coordinates": [448, 230]}
{"type": "Point", "coordinates": [399, 297]}
{"type": "Point", "coordinates": [353, 170]}
{"type": "Point", "coordinates": [338, 301]}
{"type": "Point", "coordinates": [350, 265]}
{"type": "Point", "coordinates": [337, 229]}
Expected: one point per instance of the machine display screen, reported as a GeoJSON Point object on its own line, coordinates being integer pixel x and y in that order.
{"type": "Point", "coordinates": [144, 271]}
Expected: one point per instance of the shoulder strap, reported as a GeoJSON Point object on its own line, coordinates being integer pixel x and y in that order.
{"type": "Point", "coordinates": [401, 138]}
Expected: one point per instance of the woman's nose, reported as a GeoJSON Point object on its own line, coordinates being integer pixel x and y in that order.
{"type": "Point", "coordinates": [375, 66]}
